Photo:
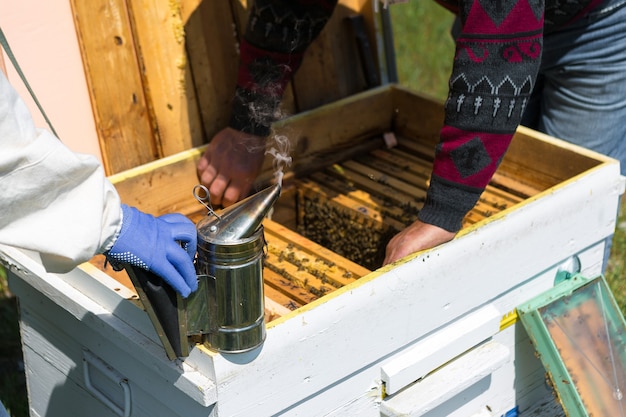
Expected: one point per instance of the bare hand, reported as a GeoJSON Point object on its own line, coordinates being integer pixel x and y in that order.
{"type": "Point", "coordinates": [230, 165]}
{"type": "Point", "coordinates": [418, 236]}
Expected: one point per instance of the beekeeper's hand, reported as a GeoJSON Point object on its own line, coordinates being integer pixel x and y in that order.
{"type": "Point", "coordinates": [164, 245]}
{"type": "Point", "coordinates": [418, 236]}
{"type": "Point", "coordinates": [230, 165]}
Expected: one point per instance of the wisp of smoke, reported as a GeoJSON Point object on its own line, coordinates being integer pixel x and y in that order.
{"type": "Point", "coordinates": [280, 152]}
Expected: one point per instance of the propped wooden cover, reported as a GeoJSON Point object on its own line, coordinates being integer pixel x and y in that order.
{"type": "Point", "coordinates": [161, 74]}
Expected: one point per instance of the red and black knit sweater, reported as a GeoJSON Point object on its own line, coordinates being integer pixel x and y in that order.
{"type": "Point", "coordinates": [497, 59]}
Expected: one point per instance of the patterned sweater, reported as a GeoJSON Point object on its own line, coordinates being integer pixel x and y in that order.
{"type": "Point", "coordinates": [498, 54]}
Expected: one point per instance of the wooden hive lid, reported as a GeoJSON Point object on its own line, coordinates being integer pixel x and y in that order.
{"type": "Point", "coordinates": [161, 75]}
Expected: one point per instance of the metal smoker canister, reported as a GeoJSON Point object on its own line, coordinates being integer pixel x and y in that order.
{"type": "Point", "coordinates": [229, 265]}
{"type": "Point", "coordinates": [232, 275]}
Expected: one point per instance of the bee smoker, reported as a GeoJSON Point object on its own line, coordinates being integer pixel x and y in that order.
{"type": "Point", "coordinates": [227, 311]}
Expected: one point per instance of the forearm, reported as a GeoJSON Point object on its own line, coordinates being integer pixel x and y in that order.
{"type": "Point", "coordinates": [496, 62]}
{"type": "Point", "coordinates": [52, 200]}
{"type": "Point", "coordinates": [277, 35]}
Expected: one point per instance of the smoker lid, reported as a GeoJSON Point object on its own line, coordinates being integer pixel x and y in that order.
{"type": "Point", "coordinates": [240, 220]}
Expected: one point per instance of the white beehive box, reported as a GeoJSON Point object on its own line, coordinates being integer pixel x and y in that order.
{"type": "Point", "coordinates": [436, 334]}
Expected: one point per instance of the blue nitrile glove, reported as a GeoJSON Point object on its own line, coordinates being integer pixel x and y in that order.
{"type": "Point", "coordinates": [164, 245]}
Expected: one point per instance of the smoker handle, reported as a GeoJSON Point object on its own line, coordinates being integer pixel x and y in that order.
{"type": "Point", "coordinates": [160, 301]}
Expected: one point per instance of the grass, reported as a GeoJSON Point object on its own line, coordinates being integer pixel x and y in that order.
{"type": "Point", "coordinates": [616, 269]}
{"type": "Point", "coordinates": [424, 51]}
{"type": "Point", "coordinates": [424, 46]}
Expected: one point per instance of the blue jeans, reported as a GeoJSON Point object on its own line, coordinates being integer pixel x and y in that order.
{"type": "Point", "coordinates": [580, 94]}
{"type": "Point", "coordinates": [3, 411]}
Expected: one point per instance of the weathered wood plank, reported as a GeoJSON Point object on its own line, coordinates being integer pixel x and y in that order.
{"type": "Point", "coordinates": [416, 117]}
{"type": "Point", "coordinates": [411, 170]}
{"type": "Point", "coordinates": [162, 186]}
{"type": "Point", "coordinates": [321, 261]}
{"type": "Point", "coordinates": [279, 298]}
{"type": "Point", "coordinates": [212, 48]}
{"type": "Point", "coordinates": [160, 37]}
{"type": "Point", "coordinates": [387, 208]}
{"type": "Point", "coordinates": [284, 284]}
{"type": "Point", "coordinates": [394, 178]}
{"type": "Point", "coordinates": [390, 195]}
{"type": "Point", "coordinates": [502, 178]}
{"type": "Point", "coordinates": [331, 68]}
{"type": "Point", "coordinates": [318, 136]}
{"type": "Point", "coordinates": [114, 80]}
{"type": "Point", "coordinates": [540, 163]}
{"type": "Point", "coordinates": [298, 271]}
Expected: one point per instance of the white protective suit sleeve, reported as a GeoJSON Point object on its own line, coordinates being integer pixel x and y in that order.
{"type": "Point", "coordinates": [52, 200]}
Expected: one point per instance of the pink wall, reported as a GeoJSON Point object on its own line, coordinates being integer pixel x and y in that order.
{"type": "Point", "coordinates": [42, 36]}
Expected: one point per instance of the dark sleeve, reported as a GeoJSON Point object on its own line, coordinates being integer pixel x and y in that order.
{"type": "Point", "coordinates": [497, 58]}
{"type": "Point", "coordinates": [277, 35]}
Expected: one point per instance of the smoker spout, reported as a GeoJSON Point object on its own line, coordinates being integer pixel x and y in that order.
{"type": "Point", "coordinates": [240, 220]}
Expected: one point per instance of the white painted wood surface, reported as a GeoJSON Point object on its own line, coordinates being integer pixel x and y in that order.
{"type": "Point", "coordinates": [57, 308]}
{"type": "Point", "coordinates": [441, 347]}
{"type": "Point", "coordinates": [330, 357]}
{"type": "Point", "coordinates": [451, 380]}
